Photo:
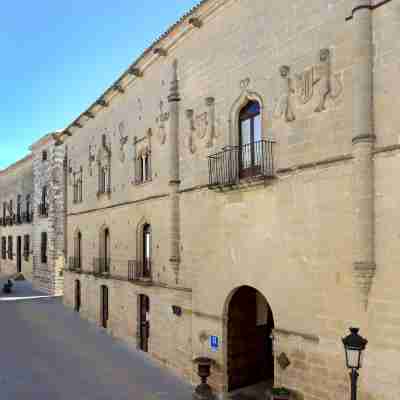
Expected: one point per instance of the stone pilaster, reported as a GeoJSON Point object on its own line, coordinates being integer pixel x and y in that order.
{"type": "Point", "coordinates": [174, 179]}
{"type": "Point", "coordinates": [363, 143]}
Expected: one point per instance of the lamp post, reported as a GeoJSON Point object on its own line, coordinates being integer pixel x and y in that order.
{"type": "Point", "coordinates": [354, 346]}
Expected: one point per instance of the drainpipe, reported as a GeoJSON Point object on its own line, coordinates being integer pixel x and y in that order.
{"type": "Point", "coordinates": [174, 181]}
{"type": "Point", "coordinates": [363, 140]}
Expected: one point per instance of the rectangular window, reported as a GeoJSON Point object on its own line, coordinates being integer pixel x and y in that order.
{"type": "Point", "coordinates": [26, 247]}
{"type": "Point", "coordinates": [44, 155]}
{"type": "Point", "coordinates": [3, 247]}
{"type": "Point", "coordinates": [77, 187]}
{"type": "Point", "coordinates": [10, 247]}
{"type": "Point", "coordinates": [43, 248]}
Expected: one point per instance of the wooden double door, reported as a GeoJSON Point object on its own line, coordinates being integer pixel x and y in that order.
{"type": "Point", "coordinates": [249, 353]}
{"type": "Point", "coordinates": [104, 308]}
{"type": "Point", "coordinates": [144, 322]}
{"type": "Point", "coordinates": [19, 254]}
{"type": "Point", "coordinates": [77, 295]}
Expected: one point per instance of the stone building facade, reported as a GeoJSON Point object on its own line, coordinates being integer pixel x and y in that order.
{"type": "Point", "coordinates": [236, 185]}
{"type": "Point", "coordinates": [16, 218]}
{"type": "Point", "coordinates": [33, 216]}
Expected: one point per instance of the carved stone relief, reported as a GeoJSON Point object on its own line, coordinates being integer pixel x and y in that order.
{"type": "Point", "coordinates": [161, 121]}
{"type": "Point", "coordinates": [330, 86]}
{"type": "Point", "coordinates": [201, 126]}
{"type": "Point", "coordinates": [123, 140]}
{"type": "Point", "coordinates": [92, 158]}
{"type": "Point", "coordinates": [284, 107]}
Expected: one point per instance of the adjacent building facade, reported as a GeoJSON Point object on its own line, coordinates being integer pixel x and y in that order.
{"type": "Point", "coordinates": [233, 195]}
{"type": "Point", "coordinates": [33, 217]}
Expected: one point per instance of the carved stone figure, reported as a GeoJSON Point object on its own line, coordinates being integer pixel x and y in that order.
{"type": "Point", "coordinates": [92, 158]}
{"type": "Point", "coordinates": [161, 120]}
{"type": "Point", "coordinates": [330, 86]}
{"type": "Point", "coordinates": [123, 139]}
{"type": "Point", "coordinates": [191, 129]}
{"type": "Point", "coordinates": [285, 107]}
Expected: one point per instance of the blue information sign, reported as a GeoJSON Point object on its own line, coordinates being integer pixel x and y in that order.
{"type": "Point", "coordinates": [214, 343]}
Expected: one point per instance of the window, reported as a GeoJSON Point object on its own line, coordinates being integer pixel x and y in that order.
{"type": "Point", "coordinates": [77, 186]}
{"type": "Point", "coordinates": [26, 247]}
{"type": "Point", "coordinates": [146, 251]}
{"type": "Point", "coordinates": [143, 168]}
{"type": "Point", "coordinates": [43, 206]}
{"type": "Point", "coordinates": [3, 247]}
{"type": "Point", "coordinates": [10, 247]}
{"type": "Point", "coordinates": [28, 217]}
{"type": "Point", "coordinates": [4, 214]}
{"type": "Point", "coordinates": [19, 205]}
{"type": "Point", "coordinates": [77, 251]}
{"type": "Point", "coordinates": [44, 155]}
{"type": "Point", "coordinates": [250, 139]}
{"type": "Point", "coordinates": [104, 179]}
{"type": "Point", "coordinates": [43, 248]}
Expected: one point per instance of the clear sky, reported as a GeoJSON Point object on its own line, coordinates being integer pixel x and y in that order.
{"type": "Point", "coordinates": [57, 57]}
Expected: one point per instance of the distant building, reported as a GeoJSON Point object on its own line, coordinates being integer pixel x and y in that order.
{"type": "Point", "coordinates": [32, 217]}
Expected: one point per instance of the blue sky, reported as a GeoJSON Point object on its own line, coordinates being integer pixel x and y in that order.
{"type": "Point", "coordinates": [59, 56]}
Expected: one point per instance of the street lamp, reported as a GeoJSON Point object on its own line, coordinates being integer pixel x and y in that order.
{"type": "Point", "coordinates": [354, 346]}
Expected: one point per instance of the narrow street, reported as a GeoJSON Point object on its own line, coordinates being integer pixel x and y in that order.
{"type": "Point", "coordinates": [48, 353]}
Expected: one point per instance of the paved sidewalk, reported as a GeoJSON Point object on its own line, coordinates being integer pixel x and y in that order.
{"type": "Point", "coordinates": [48, 353]}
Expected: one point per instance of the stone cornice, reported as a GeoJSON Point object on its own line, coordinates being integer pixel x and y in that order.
{"type": "Point", "coordinates": [18, 164]}
{"type": "Point", "coordinates": [366, 7]}
{"type": "Point", "coordinates": [166, 42]}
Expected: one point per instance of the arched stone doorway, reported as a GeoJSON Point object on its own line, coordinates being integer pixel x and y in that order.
{"type": "Point", "coordinates": [249, 353]}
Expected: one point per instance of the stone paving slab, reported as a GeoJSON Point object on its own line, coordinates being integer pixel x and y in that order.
{"type": "Point", "coordinates": [47, 352]}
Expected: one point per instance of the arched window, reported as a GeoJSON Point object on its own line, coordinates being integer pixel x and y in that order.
{"type": "Point", "coordinates": [143, 167]}
{"type": "Point", "coordinates": [250, 139]}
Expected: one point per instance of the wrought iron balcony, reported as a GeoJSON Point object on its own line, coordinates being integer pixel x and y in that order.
{"type": "Point", "coordinates": [238, 163]}
{"type": "Point", "coordinates": [43, 210]}
{"type": "Point", "coordinates": [74, 264]}
{"type": "Point", "coordinates": [102, 266]}
{"type": "Point", "coordinates": [27, 217]}
{"type": "Point", "coordinates": [18, 219]}
{"type": "Point", "coordinates": [139, 271]}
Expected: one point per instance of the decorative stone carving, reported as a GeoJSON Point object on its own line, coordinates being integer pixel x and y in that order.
{"type": "Point", "coordinates": [283, 361]}
{"type": "Point", "coordinates": [363, 278]}
{"type": "Point", "coordinates": [92, 158]}
{"type": "Point", "coordinates": [161, 121]}
{"type": "Point", "coordinates": [285, 107]}
{"type": "Point", "coordinates": [123, 139]}
{"type": "Point", "coordinates": [244, 83]}
{"type": "Point", "coordinates": [330, 85]}
{"type": "Point", "coordinates": [191, 130]}
{"type": "Point", "coordinates": [201, 125]}
{"type": "Point", "coordinates": [210, 121]}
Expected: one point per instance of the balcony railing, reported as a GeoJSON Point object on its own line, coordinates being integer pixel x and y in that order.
{"type": "Point", "coordinates": [18, 219]}
{"type": "Point", "coordinates": [27, 217]}
{"type": "Point", "coordinates": [10, 220]}
{"type": "Point", "coordinates": [74, 264]}
{"type": "Point", "coordinates": [101, 266]}
{"type": "Point", "coordinates": [139, 271]}
{"type": "Point", "coordinates": [235, 163]}
{"type": "Point", "coordinates": [43, 210]}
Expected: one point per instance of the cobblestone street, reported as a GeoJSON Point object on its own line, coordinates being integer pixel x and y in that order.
{"type": "Point", "coordinates": [49, 353]}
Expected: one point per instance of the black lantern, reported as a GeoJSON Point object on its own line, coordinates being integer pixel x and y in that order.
{"type": "Point", "coordinates": [354, 346]}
